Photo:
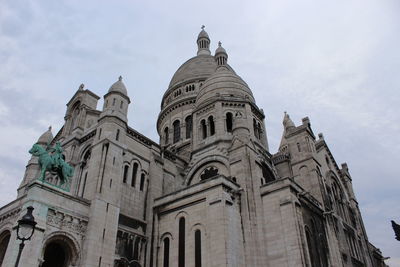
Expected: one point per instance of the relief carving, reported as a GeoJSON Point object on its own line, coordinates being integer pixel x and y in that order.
{"type": "Point", "coordinates": [66, 221]}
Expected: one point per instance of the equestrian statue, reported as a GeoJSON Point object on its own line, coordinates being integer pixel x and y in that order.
{"type": "Point", "coordinates": [51, 159]}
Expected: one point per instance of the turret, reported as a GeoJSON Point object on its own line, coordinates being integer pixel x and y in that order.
{"type": "Point", "coordinates": [203, 43]}
{"type": "Point", "coordinates": [221, 56]}
{"type": "Point", "coordinates": [116, 101]}
{"type": "Point", "coordinates": [81, 113]}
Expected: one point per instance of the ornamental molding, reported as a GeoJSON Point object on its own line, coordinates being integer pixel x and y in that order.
{"type": "Point", "coordinates": [9, 216]}
{"type": "Point", "coordinates": [66, 222]}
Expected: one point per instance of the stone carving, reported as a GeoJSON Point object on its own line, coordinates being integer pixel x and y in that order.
{"type": "Point", "coordinates": [209, 173]}
{"type": "Point", "coordinates": [129, 247]}
{"type": "Point", "coordinates": [9, 216]}
{"type": "Point", "coordinates": [396, 229]}
{"type": "Point", "coordinates": [66, 221]}
{"type": "Point", "coordinates": [51, 159]}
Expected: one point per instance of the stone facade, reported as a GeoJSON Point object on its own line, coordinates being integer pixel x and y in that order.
{"type": "Point", "coordinates": [210, 193]}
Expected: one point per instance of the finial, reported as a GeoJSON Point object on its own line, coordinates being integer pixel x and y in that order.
{"type": "Point", "coordinates": [120, 78]}
{"type": "Point", "coordinates": [285, 112]}
{"type": "Point", "coordinates": [81, 86]}
{"type": "Point", "coordinates": [219, 43]}
{"type": "Point", "coordinates": [50, 128]}
{"type": "Point", "coordinates": [202, 27]}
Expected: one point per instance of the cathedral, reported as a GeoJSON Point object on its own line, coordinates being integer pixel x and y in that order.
{"type": "Point", "coordinates": [210, 193]}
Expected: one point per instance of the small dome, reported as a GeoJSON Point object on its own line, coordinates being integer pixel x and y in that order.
{"type": "Point", "coordinates": [46, 137]}
{"type": "Point", "coordinates": [287, 121]}
{"type": "Point", "coordinates": [220, 49]}
{"type": "Point", "coordinates": [224, 83]}
{"type": "Point", "coordinates": [203, 34]}
{"type": "Point", "coordinates": [118, 86]}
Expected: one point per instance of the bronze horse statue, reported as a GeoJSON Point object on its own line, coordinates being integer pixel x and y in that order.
{"type": "Point", "coordinates": [52, 162]}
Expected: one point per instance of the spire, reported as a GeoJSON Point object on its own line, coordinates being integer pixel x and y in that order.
{"type": "Point", "coordinates": [203, 43]}
{"type": "Point", "coordinates": [287, 125]}
{"type": "Point", "coordinates": [221, 56]}
{"type": "Point", "coordinates": [287, 122]}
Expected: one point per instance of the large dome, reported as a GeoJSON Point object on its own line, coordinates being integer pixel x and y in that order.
{"type": "Point", "coordinates": [224, 83]}
{"type": "Point", "coordinates": [198, 67]}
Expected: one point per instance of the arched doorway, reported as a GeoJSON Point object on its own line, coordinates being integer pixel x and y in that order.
{"type": "Point", "coordinates": [55, 255]}
{"type": "Point", "coordinates": [59, 251]}
{"type": "Point", "coordinates": [4, 239]}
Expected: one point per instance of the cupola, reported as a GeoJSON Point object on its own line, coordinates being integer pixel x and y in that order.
{"type": "Point", "coordinates": [118, 86]}
{"type": "Point", "coordinates": [221, 56]}
{"type": "Point", "coordinates": [224, 83]}
{"type": "Point", "coordinates": [203, 43]}
{"type": "Point", "coordinates": [116, 101]}
{"type": "Point", "coordinates": [45, 138]}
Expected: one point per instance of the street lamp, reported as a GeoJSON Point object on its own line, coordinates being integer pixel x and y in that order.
{"type": "Point", "coordinates": [25, 229]}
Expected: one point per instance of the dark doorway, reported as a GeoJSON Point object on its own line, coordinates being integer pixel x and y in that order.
{"type": "Point", "coordinates": [55, 255]}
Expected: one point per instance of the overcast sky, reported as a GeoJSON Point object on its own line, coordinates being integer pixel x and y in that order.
{"type": "Point", "coordinates": [337, 62]}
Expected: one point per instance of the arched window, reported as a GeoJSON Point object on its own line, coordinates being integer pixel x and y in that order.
{"type": "Point", "coordinates": [134, 172]}
{"type": "Point", "coordinates": [310, 247]}
{"type": "Point", "coordinates": [74, 115]}
{"type": "Point", "coordinates": [84, 172]}
{"type": "Point", "coordinates": [189, 126]}
{"type": "Point", "coordinates": [255, 129]}
{"type": "Point", "coordinates": [117, 135]}
{"type": "Point", "coordinates": [197, 248]}
{"type": "Point", "coordinates": [267, 173]}
{"type": "Point", "coordinates": [166, 252]}
{"type": "Point", "coordinates": [125, 177]}
{"type": "Point", "coordinates": [259, 130]}
{"type": "Point", "coordinates": [166, 135]}
{"type": "Point", "coordinates": [229, 122]}
{"type": "Point", "coordinates": [177, 131]}
{"type": "Point", "coordinates": [142, 180]}
{"type": "Point", "coordinates": [181, 245]}
{"type": "Point", "coordinates": [203, 129]}
{"type": "Point", "coordinates": [211, 125]}
{"type": "Point", "coordinates": [136, 249]}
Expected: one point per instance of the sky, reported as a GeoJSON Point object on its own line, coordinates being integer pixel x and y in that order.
{"type": "Point", "coordinates": [337, 62]}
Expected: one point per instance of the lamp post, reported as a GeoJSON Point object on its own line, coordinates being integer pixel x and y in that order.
{"type": "Point", "coordinates": [25, 229]}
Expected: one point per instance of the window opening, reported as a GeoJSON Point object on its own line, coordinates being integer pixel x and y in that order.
{"type": "Point", "coordinates": [166, 135]}
{"type": "Point", "coordinates": [166, 252]}
{"type": "Point", "coordinates": [189, 126]}
{"type": "Point", "coordinates": [181, 245]}
{"type": "Point", "coordinates": [126, 169]}
{"type": "Point", "coordinates": [204, 129]}
{"type": "Point", "coordinates": [212, 125]}
{"type": "Point", "coordinates": [142, 179]}
{"type": "Point", "coordinates": [134, 172]}
{"type": "Point", "coordinates": [197, 248]}
{"type": "Point", "coordinates": [177, 131]}
{"type": "Point", "coordinates": [229, 122]}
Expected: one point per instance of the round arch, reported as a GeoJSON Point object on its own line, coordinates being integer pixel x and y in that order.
{"type": "Point", "coordinates": [203, 163]}
{"type": "Point", "coordinates": [60, 250]}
